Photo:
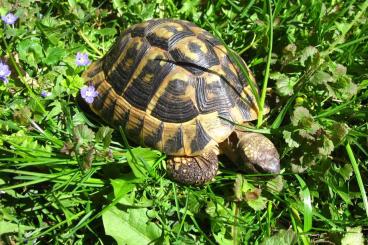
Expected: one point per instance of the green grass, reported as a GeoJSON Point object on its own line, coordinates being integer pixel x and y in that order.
{"type": "Point", "coordinates": [67, 179]}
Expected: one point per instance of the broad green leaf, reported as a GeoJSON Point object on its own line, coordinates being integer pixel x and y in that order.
{"type": "Point", "coordinates": [346, 171]}
{"type": "Point", "coordinates": [276, 184]}
{"type": "Point", "coordinates": [289, 140]}
{"type": "Point", "coordinates": [122, 187]}
{"type": "Point", "coordinates": [215, 208]}
{"type": "Point", "coordinates": [258, 204]}
{"type": "Point", "coordinates": [103, 135]}
{"type": "Point", "coordinates": [284, 84]}
{"type": "Point", "coordinates": [322, 77]}
{"type": "Point", "coordinates": [76, 9]}
{"type": "Point", "coordinates": [327, 147]}
{"type": "Point", "coordinates": [54, 55]}
{"type": "Point", "coordinates": [301, 116]}
{"type": "Point", "coordinates": [30, 51]}
{"type": "Point", "coordinates": [308, 52]}
{"type": "Point", "coordinates": [107, 32]}
{"type": "Point", "coordinates": [353, 236]}
{"type": "Point", "coordinates": [141, 160]}
{"type": "Point", "coordinates": [189, 6]}
{"type": "Point", "coordinates": [9, 227]}
{"type": "Point", "coordinates": [82, 134]}
{"type": "Point", "coordinates": [248, 192]}
{"type": "Point", "coordinates": [23, 142]}
{"type": "Point", "coordinates": [345, 88]}
{"type": "Point", "coordinates": [130, 227]}
{"type": "Point", "coordinates": [283, 237]}
{"type": "Point", "coordinates": [119, 5]}
{"type": "Point", "coordinates": [343, 27]}
{"type": "Point", "coordinates": [56, 109]}
{"type": "Point", "coordinates": [221, 237]}
{"type": "Point", "coordinates": [73, 84]}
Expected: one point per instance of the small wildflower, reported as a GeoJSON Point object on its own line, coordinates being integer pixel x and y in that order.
{"type": "Point", "coordinates": [88, 93]}
{"type": "Point", "coordinates": [81, 59]}
{"type": "Point", "coordinates": [4, 72]}
{"type": "Point", "coordinates": [9, 18]}
{"type": "Point", "coordinates": [44, 93]}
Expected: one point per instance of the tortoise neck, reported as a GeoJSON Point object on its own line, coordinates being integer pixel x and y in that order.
{"type": "Point", "coordinates": [229, 147]}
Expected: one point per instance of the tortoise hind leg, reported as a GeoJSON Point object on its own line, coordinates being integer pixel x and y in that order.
{"type": "Point", "coordinates": [191, 170]}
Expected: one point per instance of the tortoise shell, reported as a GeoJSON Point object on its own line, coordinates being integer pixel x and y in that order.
{"type": "Point", "coordinates": [171, 86]}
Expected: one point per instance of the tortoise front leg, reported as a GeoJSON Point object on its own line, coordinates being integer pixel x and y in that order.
{"type": "Point", "coordinates": [195, 170]}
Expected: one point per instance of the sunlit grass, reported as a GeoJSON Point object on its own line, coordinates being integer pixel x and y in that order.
{"type": "Point", "coordinates": [66, 178]}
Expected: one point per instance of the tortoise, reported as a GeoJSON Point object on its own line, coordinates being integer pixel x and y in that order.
{"type": "Point", "coordinates": [173, 86]}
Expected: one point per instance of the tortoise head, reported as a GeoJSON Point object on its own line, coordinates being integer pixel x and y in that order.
{"type": "Point", "coordinates": [252, 151]}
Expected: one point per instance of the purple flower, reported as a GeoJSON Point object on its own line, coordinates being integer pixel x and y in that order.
{"type": "Point", "coordinates": [81, 59]}
{"type": "Point", "coordinates": [4, 72]}
{"type": "Point", "coordinates": [44, 93]}
{"type": "Point", "coordinates": [88, 93]}
{"type": "Point", "coordinates": [9, 18]}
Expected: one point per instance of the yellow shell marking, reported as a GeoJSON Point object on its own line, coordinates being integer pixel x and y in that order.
{"type": "Point", "coordinates": [183, 46]}
{"type": "Point", "coordinates": [162, 32]}
{"type": "Point", "coordinates": [177, 73]}
{"type": "Point", "coordinates": [152, 54]}
{"type": "Point", "coordinates": [126, 65]}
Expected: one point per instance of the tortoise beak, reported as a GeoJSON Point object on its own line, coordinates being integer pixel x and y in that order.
{"type": "Point", "coordinates": [269, 163]}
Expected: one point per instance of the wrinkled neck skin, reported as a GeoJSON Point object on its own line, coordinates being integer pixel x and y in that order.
{"type": "Point", "coordinates": [251, 151]}
{"type": "Point", "coordinates": [229, 148]}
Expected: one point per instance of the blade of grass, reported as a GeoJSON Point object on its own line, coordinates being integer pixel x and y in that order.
{"type": "Point", "coordinates": [200, 230]}
{"type": "Point", "coordinates": [293, 216]}
{"type": "Point", "coordinates": [269, 217]}
{"type": "Point", "coordinates": [267, 71]}
{"type": "Point", "coordinates": [51, 177]}
{"type": "Point", "coordinates": [235, 224]}
{"type": "Point", "coordinates": [184, 216]}
{"type": "Point", "coordinates": [307, 204]}
{"type": "Point", "coordinates": [358, 176]}
{"type": "Point", "coordinates": [134, 158]}
{"type": "Point", "coordinates": [57, 225]}
{"type": "Point", "coordinates": [97, 215]}
{"type": "Point", "coordinates": [280, 117]}
{"type": "Point", "coordinates": [347, 44]}
{"type": "Point", "coordinates": [176, 200]}
{"type": "Point", "coordinates": [333, 110]}
{"type": "Point", "coordinates": [341, 38]}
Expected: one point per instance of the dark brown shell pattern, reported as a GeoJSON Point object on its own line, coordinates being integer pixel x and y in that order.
{"type": "Point", "coordinates": [171, 86]}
